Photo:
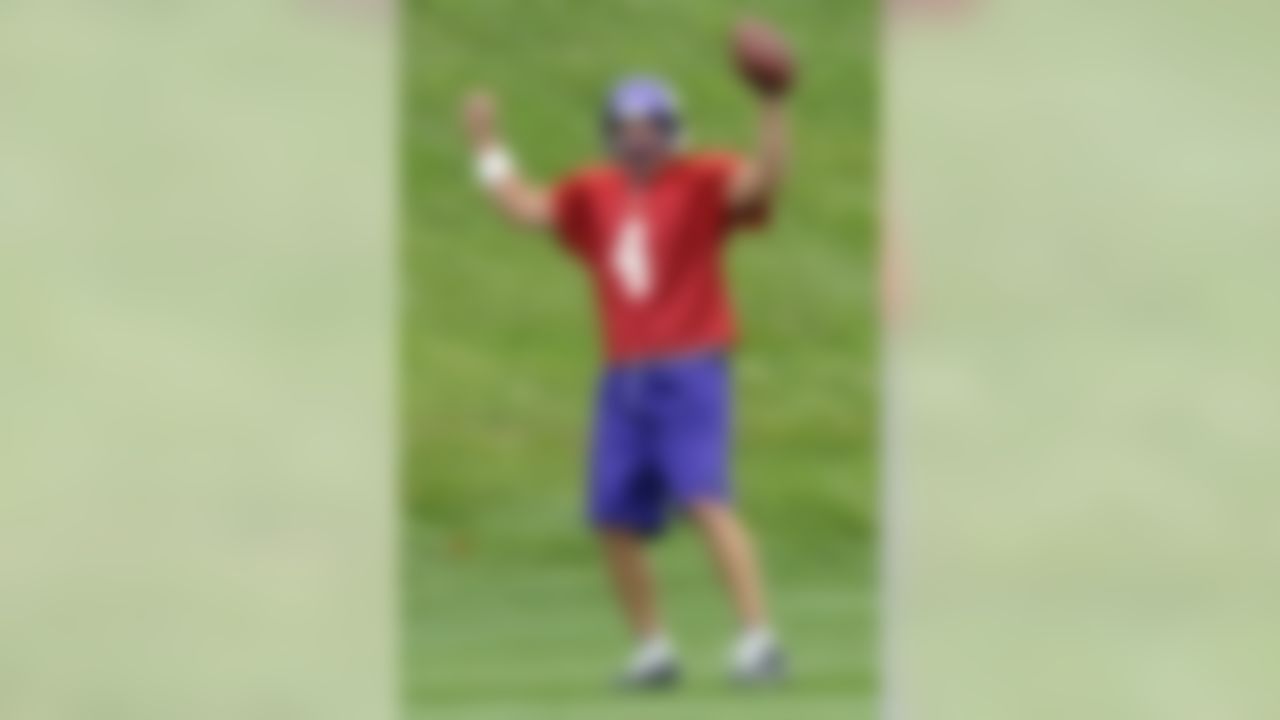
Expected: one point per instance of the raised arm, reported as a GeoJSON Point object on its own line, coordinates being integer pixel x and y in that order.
{"type": "Point", "coordinates": [763, 170]}
{"type": "Point", "coordinates": [766, 64]}
{"type": "Point", "coordinates": [520, 200]}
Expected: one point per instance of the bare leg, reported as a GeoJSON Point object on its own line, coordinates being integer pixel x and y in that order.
{"type": "Point", "coordinates": [632, 581]}
{"type": "Point", "coordinates": [735, 559]}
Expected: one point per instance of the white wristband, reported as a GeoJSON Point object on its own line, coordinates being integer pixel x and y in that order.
{"type": "Point", "coordinates": [494, 166]}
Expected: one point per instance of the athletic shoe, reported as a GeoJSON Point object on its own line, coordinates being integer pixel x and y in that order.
{"type": "Point", "coordinates": [652, 666]}
{"type": "Point", "coordinates": [757, 659]}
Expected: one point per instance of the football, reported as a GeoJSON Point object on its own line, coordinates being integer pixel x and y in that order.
{"type": "Point", "coordinates": [762, 56]}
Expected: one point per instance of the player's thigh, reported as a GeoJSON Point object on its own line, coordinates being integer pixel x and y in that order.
{"type": "Point", "coordinates": [694, 435]}
{"type": "Point", "coordinates": [621, 486]}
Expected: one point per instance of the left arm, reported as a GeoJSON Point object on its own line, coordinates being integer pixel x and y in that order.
{"type": "Point", "coordinates": [766, 65]}
{"type": "Point", "coordinates": [759, 176]}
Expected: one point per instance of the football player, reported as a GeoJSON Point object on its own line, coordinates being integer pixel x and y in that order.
{"type": "Point", "coordinates": [650, 226]}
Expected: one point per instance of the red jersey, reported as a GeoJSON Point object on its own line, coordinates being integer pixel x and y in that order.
{"type": "Point", "coordinates": [654, 253]}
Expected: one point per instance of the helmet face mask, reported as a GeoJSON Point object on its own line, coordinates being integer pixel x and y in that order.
{"type": "Point", "coordinates": [641, 146]}
{"type": "Point", "coordinates": [641, 125]}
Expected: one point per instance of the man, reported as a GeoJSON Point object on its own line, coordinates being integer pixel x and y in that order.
{"type": "Point", "coordinates": [650, 226]}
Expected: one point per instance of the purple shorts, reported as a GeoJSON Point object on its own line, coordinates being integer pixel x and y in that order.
{"type": "Point", "coordinates": [661, 441]}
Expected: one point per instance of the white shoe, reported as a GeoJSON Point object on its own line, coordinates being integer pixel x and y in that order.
{"type": "Point", "coordinates": [757, 659]}
{"type": "Point", "coordinates": [652, 665]}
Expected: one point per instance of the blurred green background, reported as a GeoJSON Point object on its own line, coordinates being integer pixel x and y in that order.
{"type": "Point", "coordinates": [506, 611]}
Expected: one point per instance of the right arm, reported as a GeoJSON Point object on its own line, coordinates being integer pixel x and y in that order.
{"type": "Point", "coordinates": [520, 200]}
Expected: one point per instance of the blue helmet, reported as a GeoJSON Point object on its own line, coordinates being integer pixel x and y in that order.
{"type": "Point", "coordinates": [643, 97]}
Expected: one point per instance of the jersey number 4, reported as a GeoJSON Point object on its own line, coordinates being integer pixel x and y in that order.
{"type": "Point", "coordinates": [631, 261]}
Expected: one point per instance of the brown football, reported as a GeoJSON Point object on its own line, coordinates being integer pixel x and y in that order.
{"type": "Point", "coordinates": [762, 56]}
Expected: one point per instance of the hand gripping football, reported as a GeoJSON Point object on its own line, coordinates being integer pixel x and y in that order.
{"type": "Point", "coordinates": [762, 57]}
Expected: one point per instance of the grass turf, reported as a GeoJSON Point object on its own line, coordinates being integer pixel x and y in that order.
{"type": "Point", "coordinates": [505, 610]}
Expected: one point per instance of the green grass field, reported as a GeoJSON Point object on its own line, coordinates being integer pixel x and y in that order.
{"type": "Point", "coordinates": [505, 609]}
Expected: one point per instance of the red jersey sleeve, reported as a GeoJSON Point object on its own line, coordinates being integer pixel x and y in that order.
{"type": "Point", "coordinates": [719, 169]}
{"type": "Point", "coordinates": [570, 214]}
